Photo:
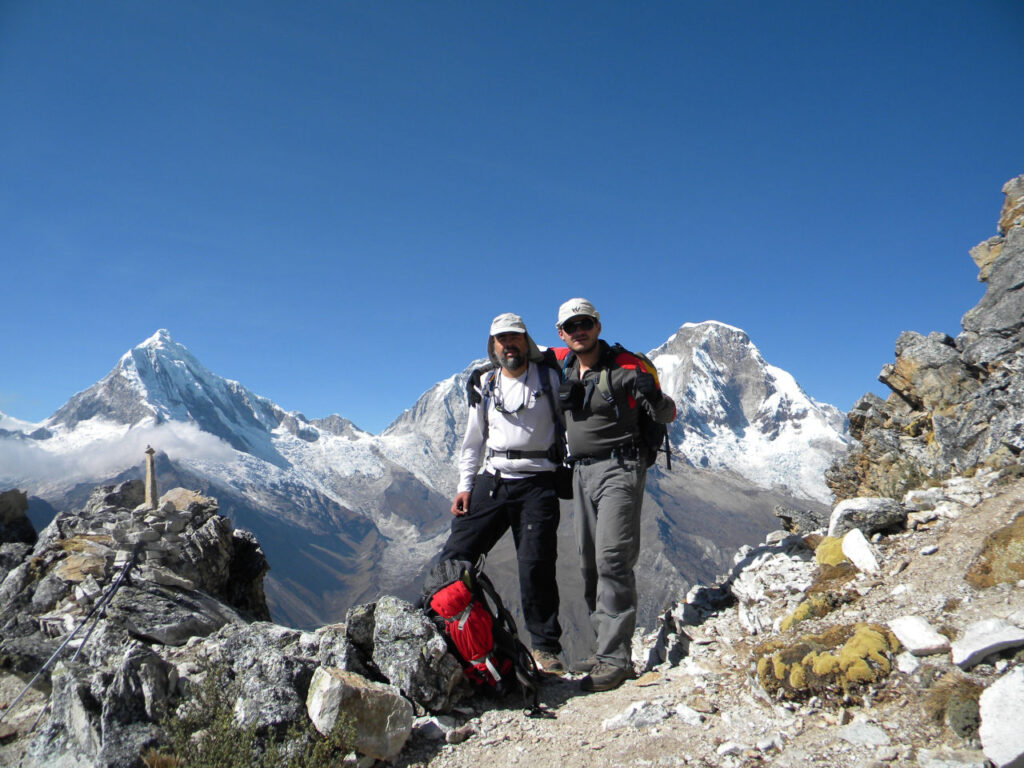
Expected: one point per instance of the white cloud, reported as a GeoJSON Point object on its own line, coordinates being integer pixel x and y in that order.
{"type": "Point", "coordinates": [29, 464]}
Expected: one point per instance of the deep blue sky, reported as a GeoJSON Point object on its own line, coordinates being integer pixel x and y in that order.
{"type": "Point", "coordinates": [329, 201]}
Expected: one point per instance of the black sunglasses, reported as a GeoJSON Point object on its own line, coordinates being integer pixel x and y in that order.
{"type": "Point", "coordinates": [583, 324]}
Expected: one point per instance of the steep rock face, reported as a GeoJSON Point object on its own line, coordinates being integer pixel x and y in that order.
{"type": "Point", "coordinates": [954, 402]}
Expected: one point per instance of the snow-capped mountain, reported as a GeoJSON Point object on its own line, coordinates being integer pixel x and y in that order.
{"type": "Point", "coordinates": [738, 413]}
{"type": "Point", "coordinates": [344, 515]}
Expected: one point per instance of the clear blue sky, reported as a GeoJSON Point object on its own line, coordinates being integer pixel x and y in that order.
{"type": "Point", "coordinates": [329, 201]}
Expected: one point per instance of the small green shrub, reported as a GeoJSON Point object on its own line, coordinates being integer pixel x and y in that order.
{"type": "Point", "coordinates": [203, 734]}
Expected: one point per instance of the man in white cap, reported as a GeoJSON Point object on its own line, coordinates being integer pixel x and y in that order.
{"type": "Point", "coordinates": [507, 476]}
{"type": "Point", "coordinates": [604, 389]}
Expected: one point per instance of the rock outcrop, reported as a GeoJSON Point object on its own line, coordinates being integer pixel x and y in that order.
{"type": "Point", "coordinates": [121, 611]}
{"type": "Point", "coordinates": [955, 402]}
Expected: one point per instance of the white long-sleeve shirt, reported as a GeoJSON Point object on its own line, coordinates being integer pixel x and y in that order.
{"type": "Point", "coordinates": [519, 418]}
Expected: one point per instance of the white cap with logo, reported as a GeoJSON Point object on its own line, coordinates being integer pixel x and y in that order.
{"type": "Point", "coordinates": [576, 308]}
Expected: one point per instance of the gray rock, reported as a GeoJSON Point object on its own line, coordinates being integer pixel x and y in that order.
{"type": "Point", "coordinates": [982, 639]}
{"type": "Point", "coordinates": [921, 499]}
{"type": "Point", "coordinates": [15, 527]}
{"type": "Point", "coordinates": [382, 717]}
{"type": "Point", "coordinates": [864, 734]}
{"type": "Point", "coordinates": [869, 514]}
{"type": "Point", "coordinates": [800, 520]}
{"type": "Point", "coordinates": [412, 655]}
{"type": "Point", "coordinates": [168, 616]}
{"type": "Point", "coordinates": [944, 757]}
{"type": "Point", "coordinates": [638, 714]}
{"type": "Point", "coordinates": [1002, 712]}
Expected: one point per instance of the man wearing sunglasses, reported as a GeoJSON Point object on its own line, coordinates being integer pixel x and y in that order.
{"type": "Point", "coordinates": [512, 434]}
{"type": "Point", "coordinates": [609, 474]}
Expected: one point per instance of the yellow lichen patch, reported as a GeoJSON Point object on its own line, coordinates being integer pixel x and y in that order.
{"type": "Point", "coordinates": [778, 667]}
{"type": "Point", "coordinates": [829, 551]}
{"type": "Point", "coordinates": [833, 662]}
{"type": "Point", "coordinates": [797, 677]}
{"type": "Point", "coordinates": [815, 606]}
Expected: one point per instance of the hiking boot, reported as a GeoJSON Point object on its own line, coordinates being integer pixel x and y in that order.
{"type": "Point", "coordinates": [605, 677]}
{"type": "Point", "coordinates": [548, 663]}
{"type": "Point", "coordinates": [585, 665]}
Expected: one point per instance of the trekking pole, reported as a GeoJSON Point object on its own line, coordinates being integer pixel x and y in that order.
{"type": "Point", "coordinates": [102, 601]}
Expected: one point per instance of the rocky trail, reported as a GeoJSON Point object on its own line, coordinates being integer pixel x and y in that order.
{"type": "Point", "coordinates": [710, 710]}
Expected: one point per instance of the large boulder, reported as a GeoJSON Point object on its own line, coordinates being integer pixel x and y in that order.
{"type": "Point", "coordinates": [381, 718]}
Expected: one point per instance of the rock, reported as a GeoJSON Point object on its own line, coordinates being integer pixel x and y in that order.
{"type": "Point", "coordinates": [800, 520]}
{"type": "Point", "coordinates": [982, 639]}
{"type": "Point", "coordinates": [688, 715]}
{"type": "Point", "coordinates": [729, 748]}
{"type": "Point", "coordinates": [1002, 712]}
{"type": "Point", "coordinates": [382, 718]}
{"type": "Point", "coordinates": [931, 549]}
{"type": "Point", "coordinates": [269, 669]}
{"type": "Point", "coordinates": [921, 499]}
{"type": "Point", "coordinates": [639, 714]}
{"type": "Point", "coordinates": [907, 663]}
{"type": "Point", "coordinates": [15, 527]}
{"type": "Point", "coordinates": [435, 727]}
{"type": "Point", "coordinates": [169, 616]}
{"type": "Point", "coordinates": [944, 757]}
{"type": "Point", "coordinates": [868, 514]}
{"type": "Point", "coordinates": [413, 655]}
{"type": "Point", "coordinates": [956, 403]}
{"type": "Point", "coordinates": [999, 561]}
{"type": "Point", "coordinates": [859, 551]}
{"type": "Point", "coordinates": [668, 643]}
{"type": "Point", "coordinates": [918, 636]}
{"type": "Point", "coordinates": [863, 734]}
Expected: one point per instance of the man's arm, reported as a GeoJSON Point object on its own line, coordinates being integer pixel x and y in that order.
{"type": "Point", "coordinates": [470, 458]}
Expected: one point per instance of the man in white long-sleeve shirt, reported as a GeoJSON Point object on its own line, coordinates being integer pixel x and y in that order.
{"type": "Point", "coordinates": [514, 435]}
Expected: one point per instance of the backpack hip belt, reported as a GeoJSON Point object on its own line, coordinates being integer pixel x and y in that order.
{"type": "Point", "coordinates": [516, 454]}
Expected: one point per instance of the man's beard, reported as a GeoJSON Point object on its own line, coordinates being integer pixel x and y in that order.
{"type": "Point", "coordinates": [513, 362]}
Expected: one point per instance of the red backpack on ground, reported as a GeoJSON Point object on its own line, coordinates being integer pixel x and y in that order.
{"type": "Point", "coordinates": [480, 630]}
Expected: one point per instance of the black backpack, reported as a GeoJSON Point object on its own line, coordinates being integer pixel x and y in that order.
{"type": "Point", "coordinates": [460, 598]}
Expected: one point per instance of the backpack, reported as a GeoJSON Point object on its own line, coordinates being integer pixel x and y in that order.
{"type": "Point", "coordinates": [651, 434]}
{"type": "Point", "coordinates": [480, 630]}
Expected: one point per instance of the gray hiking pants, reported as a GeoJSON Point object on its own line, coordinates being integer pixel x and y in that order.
{"type": "Point", "coordinates": [607, 497]}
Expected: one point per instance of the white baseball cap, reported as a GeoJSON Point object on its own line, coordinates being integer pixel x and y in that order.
{"type": "Point", "coordinates": [576, 308]}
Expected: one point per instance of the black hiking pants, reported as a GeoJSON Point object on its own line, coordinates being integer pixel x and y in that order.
{"type": "Point", "coordinates": [529, 506]}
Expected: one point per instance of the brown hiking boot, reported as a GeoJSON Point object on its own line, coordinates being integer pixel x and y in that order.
{"type": "Point", "coordinates": [549, 663]}
{"type": "Point", "coordinates": [605, 677]}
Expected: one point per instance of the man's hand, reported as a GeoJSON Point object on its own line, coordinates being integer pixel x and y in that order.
{"type": "Point", "coordinates": [461, 504]}
{"type": "Point", "coordinates": [648, 388]}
